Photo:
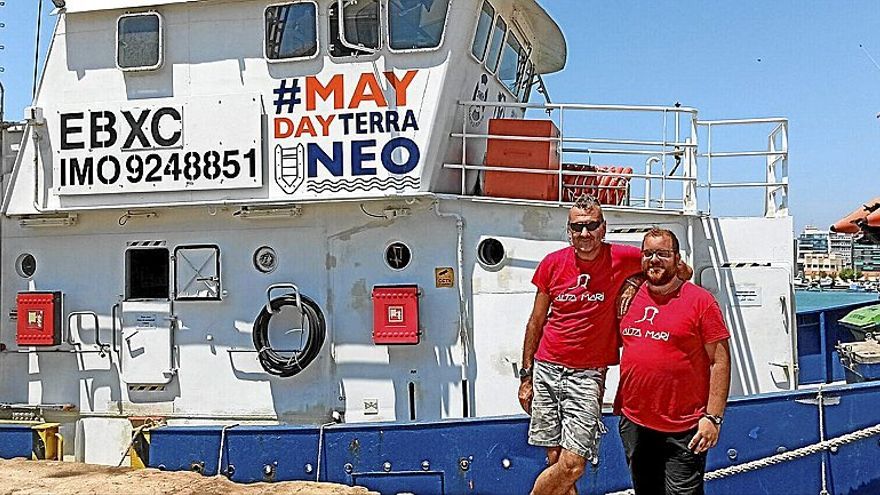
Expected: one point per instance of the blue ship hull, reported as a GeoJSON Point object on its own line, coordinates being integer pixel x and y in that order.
{"type": "Point", "coordinates": [491, 456]}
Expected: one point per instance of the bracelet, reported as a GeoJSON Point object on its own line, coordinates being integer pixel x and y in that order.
{"type": "Point", "coordinates": [716, 420]}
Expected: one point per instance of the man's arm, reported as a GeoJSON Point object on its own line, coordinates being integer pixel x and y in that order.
{"type": "Point", "coordinates": [719, 388]}
{"type": "Point", "coordinates": [534, 331]}
{"type": "Point", "coordinates": [628, 293]}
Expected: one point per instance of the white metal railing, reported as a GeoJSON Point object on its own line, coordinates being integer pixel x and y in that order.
{"type": "Point", "coordinates": [776, 154]}
{"type": "Point", "coordinates": [670, 158]}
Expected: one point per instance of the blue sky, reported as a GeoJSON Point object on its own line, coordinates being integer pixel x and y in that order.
{"type": "Point", "coordinates": [794, 59]}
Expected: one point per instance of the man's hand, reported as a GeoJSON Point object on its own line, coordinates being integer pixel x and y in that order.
{"type": "Point", "coordinates": [525, 395]}
{"type": "Point", "coordinates": [684, 271]}
{"type": "Point", "coordinates": [706, 436]}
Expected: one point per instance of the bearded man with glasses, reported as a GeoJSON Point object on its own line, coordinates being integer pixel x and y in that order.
{"type": "Point", "coordinates": [674, 375]}
{"type": "Point", "coordinates": [571, 339]}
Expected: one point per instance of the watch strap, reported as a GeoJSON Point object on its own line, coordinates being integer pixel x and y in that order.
{"type": "Point", "coordinates": [716, 420]}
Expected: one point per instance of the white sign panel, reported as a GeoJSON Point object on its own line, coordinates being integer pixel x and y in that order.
{"type": "Point", "coordinates": [158, 145]}
{"type": "Point", "coordinates": [748, 295]}
{"type": "Point", "coordinates": [354, 133]}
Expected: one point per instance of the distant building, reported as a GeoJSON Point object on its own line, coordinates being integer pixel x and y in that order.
{"type": "Point", "coordinates": [866, 259]}
{"type": "Point", "coordinates": [811, 241]}
{"type": "Point", "coordinates": [818, 265]}
{"type": "Point", "coordinates": [842, 246]}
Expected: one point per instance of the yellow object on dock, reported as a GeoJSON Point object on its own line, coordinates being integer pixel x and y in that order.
{"type": "Point", "coordinates": [48, 442]}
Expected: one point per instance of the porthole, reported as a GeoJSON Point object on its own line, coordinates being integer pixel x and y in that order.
{"type": "Point", "coordinates": [397, 256]}
{"type": "Point", "coordinates": [490, 253]}
{"type": "Point", "coordinates": [265, 259]}
{"type": "Point", "coordinates": [26, 265]}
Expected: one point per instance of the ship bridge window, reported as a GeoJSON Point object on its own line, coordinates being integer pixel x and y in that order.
{"type": "Point", "coordinates": [291, 31]}
{"type": "Point", "coordinates": [197, 273]}
{"type": "Point", "coordinates": [360, 27]}
{"type": "Point", "coordinates": [514, 60]}
{"type": "Point", "coordinates": [146, 273]}
{"type": "Point", "coordinates": [139, 41]}
{"type": "Point", "coordinates": [416, 24]}
{"type": "Point", "coordinates": [495, 45]}
{"type": "Point", "coordinates": [484, 27]}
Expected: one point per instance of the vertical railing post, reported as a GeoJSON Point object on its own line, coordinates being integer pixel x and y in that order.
{"type": "Point", "coordinates": [561, 150]}
{"type": "Point", "coordinates": [783, 207]}
{"type": "Point", "coordinates": [827, 368]}
{"type": "Point", "coordinates": [464, 152]}
{"type": "Point", "coordinates": [689, 203]}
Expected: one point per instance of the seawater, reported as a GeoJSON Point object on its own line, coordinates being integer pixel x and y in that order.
{"type": "Point", "coordinates": [810, 300]}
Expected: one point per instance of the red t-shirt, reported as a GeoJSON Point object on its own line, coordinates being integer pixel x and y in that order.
{"type": "Point", "coordinates": [581, 328]}
{"type": "Point", "coordinates": [664, 371]}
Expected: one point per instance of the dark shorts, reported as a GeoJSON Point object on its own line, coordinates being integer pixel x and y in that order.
{"type": "Point", "coordinates": [566, 408]}
{"type": "Point", "coordinates": [662, 463]}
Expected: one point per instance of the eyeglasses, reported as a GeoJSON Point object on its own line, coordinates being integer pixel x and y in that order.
{"type": "Point", "coordinates": [663, 254]}
{"type": "Point", "coordinates": [579, 227]}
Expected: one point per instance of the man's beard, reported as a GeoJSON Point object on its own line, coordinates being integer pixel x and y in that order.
{"type": "Point", "coordinates": [662, 278]}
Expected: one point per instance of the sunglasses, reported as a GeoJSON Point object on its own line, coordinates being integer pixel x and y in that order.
{"type": "Point", "coordinates": [577, 228]}
{"type": "Point", "coordinates": [663, 254]}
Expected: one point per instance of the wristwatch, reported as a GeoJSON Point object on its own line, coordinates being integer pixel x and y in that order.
{"type": "Point", "coordinates": [716, 420]}
{"type": "Point", "coordinates": [525, 373]}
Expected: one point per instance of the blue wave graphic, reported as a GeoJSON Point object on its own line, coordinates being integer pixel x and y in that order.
{"type": "Point", "coordinates": [360, 184]}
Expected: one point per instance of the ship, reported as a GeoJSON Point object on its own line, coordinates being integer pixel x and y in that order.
{"type": "Point", "coordinates": [294, 241]}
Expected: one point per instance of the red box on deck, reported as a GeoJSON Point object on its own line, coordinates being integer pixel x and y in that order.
{"type": "Point", "coordinates": [396, 314]}
{"type": "Point", "coordinates": [542, 155]}
{"type": "Point", "coordinates": [39, 318]}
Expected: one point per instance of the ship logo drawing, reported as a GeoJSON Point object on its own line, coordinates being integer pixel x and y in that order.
{"type": "Point", "coordinates": [582, 281]}
{"type": "Point", "coordinates": [290, 167]}
{"type": "Point", "coordinates": [650, 313]}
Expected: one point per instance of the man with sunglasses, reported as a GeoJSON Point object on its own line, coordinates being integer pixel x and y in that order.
{"type": "Point", "coordinates": [674, 375]}
{"type": "Point", "coordinates": [571, 339]}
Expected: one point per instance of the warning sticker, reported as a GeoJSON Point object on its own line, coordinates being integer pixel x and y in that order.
{"type": "Point", "coordinates": [444, 277]}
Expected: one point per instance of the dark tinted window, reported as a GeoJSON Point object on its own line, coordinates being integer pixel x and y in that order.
{"type": "Point", "coordinates": [138, 41]}
{"type": "Point", "coordinates": [495, 45]}
{"type": "Point", "coordinates": [361, 21]}
{"type": "Point", "coordinates": [484, 27]}
{"type": "Point", "coordinates": [513, 64]}
{"type": "Point", "coordinates": [146, 273]}
{"type": "Point", "coordinates": [414, 24]}
{"type": "Point", "coordinates": [291, 30]}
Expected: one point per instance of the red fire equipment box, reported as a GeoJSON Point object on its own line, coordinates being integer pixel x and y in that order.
{"type": "Point", "coordinates": [39, 318]}
{"type": "Point", "coordinates": [396, 314]}
{"type": "Point", "coordinates": [522, 154]}
{"type": "Point", "coordinates": [610, 186]}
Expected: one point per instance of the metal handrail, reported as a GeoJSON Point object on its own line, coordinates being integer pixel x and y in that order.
{"type": "Point", "coordinates": [758, 120]}
{"type": "Point", "coordinates": [538, 171]}
{"type": "Point", "coordinates": [79, 314]}
{"type": "Point", "coordinates": [678, 140]}
{"type": "Point", "coordinates": [549, 139]}
{"type": "Point", "coordinates": [578, 106]}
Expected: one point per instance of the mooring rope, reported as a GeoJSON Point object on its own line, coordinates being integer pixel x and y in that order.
{"type": "Point", "coordinates": [791, 455]}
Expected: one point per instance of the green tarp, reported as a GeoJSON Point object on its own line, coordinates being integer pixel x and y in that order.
{"type": "Point", "coordinates": [865, 319]}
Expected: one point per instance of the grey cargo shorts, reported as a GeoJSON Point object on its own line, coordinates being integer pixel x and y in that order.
{"type": "Point", "coordinates": [567, 408]}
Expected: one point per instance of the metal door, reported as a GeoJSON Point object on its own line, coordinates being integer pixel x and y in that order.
{"type": "Point", "coordinates": [147, 342]}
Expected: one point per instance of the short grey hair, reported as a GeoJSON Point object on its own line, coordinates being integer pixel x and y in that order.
{"type": "Point", "coordinates": [587, 202]}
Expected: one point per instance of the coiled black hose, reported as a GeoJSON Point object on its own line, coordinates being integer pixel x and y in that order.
{"type": "Point", "coordinates": [274, 362]}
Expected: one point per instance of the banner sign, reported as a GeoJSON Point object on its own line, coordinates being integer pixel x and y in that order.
{"type": "Point", "coordinates": [347, 134]}
{"type": "Point", "coordinates": [206, 143]}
